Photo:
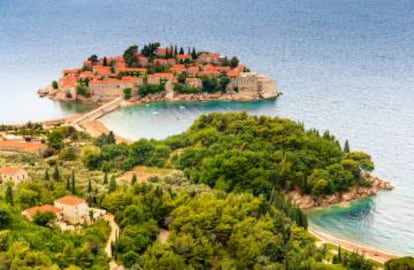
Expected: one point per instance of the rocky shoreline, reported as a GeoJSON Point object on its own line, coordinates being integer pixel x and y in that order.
{"type": "Point", "coordinates": [355, 193]}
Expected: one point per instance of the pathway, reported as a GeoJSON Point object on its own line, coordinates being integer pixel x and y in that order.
{"type": "Point", "coordinates": [112, 238]}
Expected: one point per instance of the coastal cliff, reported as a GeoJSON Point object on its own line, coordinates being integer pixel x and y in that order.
{"type": "Point", "coordinates": [354, 193]}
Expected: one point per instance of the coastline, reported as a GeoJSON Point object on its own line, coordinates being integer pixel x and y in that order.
{"type": "Point", "coordinates": [369, 252]}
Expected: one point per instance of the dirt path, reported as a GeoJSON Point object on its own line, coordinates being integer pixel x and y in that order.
{"type": "Point", "coordinates": [111, 239]}
{"type": "Point", "coordinates": [163, 236]}
{"type": "Point", "coordinates": [368, 252]}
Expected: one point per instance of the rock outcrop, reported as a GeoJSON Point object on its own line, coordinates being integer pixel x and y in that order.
{"type": "Point", "coordinates": [355, 193]}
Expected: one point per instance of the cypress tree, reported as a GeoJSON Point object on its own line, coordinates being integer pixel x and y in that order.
{"type": "Point", "coordinates": [175, 50]}
{"type": "Point", "coordinates": [68, 183]}
{"type": "Point", "coordinates": [346, 147]}
{"type": "Point", "coordinates": [194, 53]}
{"type": "Point", "coordinates": [134, 179]}
{"type": "Point", "coordinates": [56, 173]}
{"type": "Point", "coordinates": [73, 185]}
{"type": "Point", "coordinates": [105, 181]}
{"type": "Point", "coordinates": [105, 61]}
{"type": "Point", "coordinates": [9, 195]}
{"type": "Point", "coordinates": [112, 184]}
{"type": "Point", "coordinates": [339, 254]}
{"type": "Point", "coordinates": [89, 186]}
{"type": "Point", "coordinates": [47, 175]}
{"type": "Point", "coordinates": [181, 50]}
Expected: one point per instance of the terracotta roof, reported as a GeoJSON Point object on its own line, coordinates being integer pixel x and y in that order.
{"type": "Point", "coordinates": [161, 61]}
{"type": "Point", "coordinates": [132, 69]}
{"type": "Point", "coordinates": [32, 147]}
{"type": "Point", "coordinates": [192, 80]}
{"type": "Point", "coordinates": [184, 56]}
{"type": "Point", "coordinates": [177, 67]}
{"type": "Point", "coordinates": [71, 200]}
{"type": "Point", "coordinates": [209, 54]}
{"type": "Point", "coordinates": [71, 71]}
{"type": "Point", "coordinates": [42, 209]}
{"type": "Point", "coordinates": [10, 170]}
{"type": "Point", "coordinates": [161, 50]}
{"type": "Point", "coordinates": [233, 73]}
{"type": "Point", "coordinates": [161, 75]}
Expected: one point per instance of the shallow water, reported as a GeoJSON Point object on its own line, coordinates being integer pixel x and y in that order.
{"type": "Point", "coordinates": [344, 65]}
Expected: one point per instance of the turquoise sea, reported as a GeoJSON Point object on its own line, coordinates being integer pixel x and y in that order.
{"type": "Point", "coordinates": [343, 65]}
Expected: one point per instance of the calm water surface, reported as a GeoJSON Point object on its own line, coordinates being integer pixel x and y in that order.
{"type": "Point", "coordinates": [344, 65]}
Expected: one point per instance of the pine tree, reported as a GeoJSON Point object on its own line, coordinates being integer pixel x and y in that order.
{"type": "Point", "coordinates": [105, 181]}
{"type": "Point", "coordinates": [134, 179]}
{"type": "Point", "coordinates": [56, 173]}
{"type": "Point", "coordinates": [346, 147]}
{"type": "Point", "coordinates": [47, 175]}
{"type": "Point", "coordinates": [73, 185]}
{"type": "Point", "coordinates": [112, 184]}
{"type": "Point", "coordinates": [89, 186]}
{"type": "Point", "coordinates": [9, 195]}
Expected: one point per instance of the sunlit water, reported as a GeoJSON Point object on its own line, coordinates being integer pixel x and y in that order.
{"type": "Point", "coordinates": [344, 65]}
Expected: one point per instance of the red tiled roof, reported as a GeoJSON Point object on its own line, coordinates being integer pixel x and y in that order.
{"type": "Point", "coordinates": [183, 56]}
{"type": "Point", "coordinates": [161, 75]}
{"type": "Point", "coordinates": [233, 73]}
{"type": "Point", "coordinates": [177, 67]}
{"type": "Point", "coordinates": [32, 147]}
{"type": "Point", "coordinates": [10, 170]}
{"type": "Point", "coordinates": [132, 69]}
{"type": "Point", "coordinates": [161, 50]}
{"type": "Point", "coordinates": [43, 209]}
{"type": "Point", "coordinates": [71, 200]}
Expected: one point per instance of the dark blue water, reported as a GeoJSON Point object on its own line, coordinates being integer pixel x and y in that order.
{"type": "Point", "coordinates": [344, 65]}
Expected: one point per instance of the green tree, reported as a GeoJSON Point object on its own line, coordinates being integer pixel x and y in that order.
{"type": "Point", "coordinates": [346, 147]}
{"type": "Point", "coordinates": [404, 263]}
{"type": "Point", "coordinates": [134, 179]}
{"type": "Point", "coordinates": [44, 218]}
{"type": "Point", "coordinates": [234, 62]}
{"type": "Point", "coordinates": [55, 139]}
{"type": "Point", "coordinates": [89, 186]}
{"type": "Point", "coordinates": [112, 184]}
{"type": "Point", "coordinates": [47, 178]}
{"type": "Point", "coordinates": [9, 195]}
{"type": "Point", "coordinates": [127, 93]}
{"type": "Point", "coordinates": [55, 85]}
{"type": "Point", "coordinates": [73, 183]}
{"type": "Point", "coordinates": [56, 173]}
{"type": "Point", "coordinates": [105, 181]}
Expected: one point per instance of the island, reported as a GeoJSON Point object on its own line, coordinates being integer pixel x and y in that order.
{"type": "Point", "coordinates": [157, 73]}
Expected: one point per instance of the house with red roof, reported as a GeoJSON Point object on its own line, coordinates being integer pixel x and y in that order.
{"type": "Point", "coordinates": [209, 58]}
{"type": "Point", "coordinates": [194, 82]}
{"type": "Point", "coordinates": [158, 78]}
{"type": "Point", "coordinates": [47, 208]}
{"type": "Point", "coordinates": [74, 209]}
{"type": "Point", "coordinates": [13, 174]}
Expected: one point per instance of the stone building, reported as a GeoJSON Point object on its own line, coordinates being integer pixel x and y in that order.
{"type": "Point", "coordinates": [74, 210]}
{"type": "Point", "coordinates": [13, 174]}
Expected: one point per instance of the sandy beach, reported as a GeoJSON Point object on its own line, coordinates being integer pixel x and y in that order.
{"type": "Point", "coordinates": [96, 128]}
{"type": "Point", "coordinates": [368, 252]}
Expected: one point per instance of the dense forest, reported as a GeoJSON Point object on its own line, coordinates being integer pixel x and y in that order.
{"type": "Point", "coordinates": [222, 208]}
{"type": "Point", "coordinates": [239, 152]}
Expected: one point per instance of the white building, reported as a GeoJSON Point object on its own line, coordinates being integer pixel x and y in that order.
{"type": "Point", "coordinates": [74, 210]}
{"type": "Point", "coordinates": [13, 174]}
